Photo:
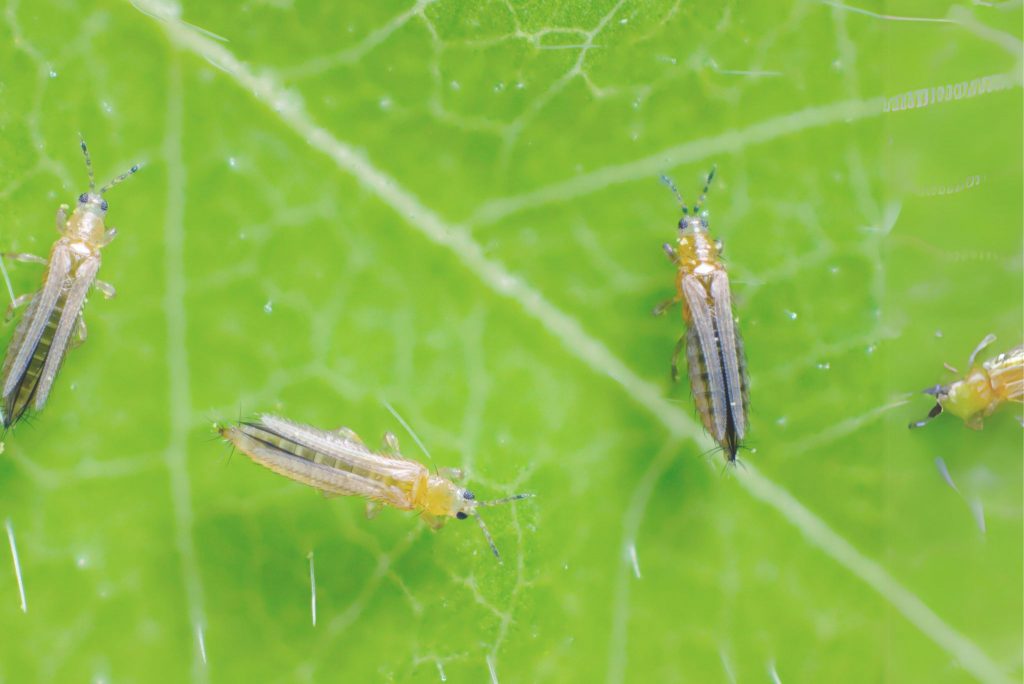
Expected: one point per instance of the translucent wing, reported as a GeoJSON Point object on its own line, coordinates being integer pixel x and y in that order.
{"type": "Point", "coordinates": [80, 284]}
{"type": "Point", "coordinates": [44, 301]}
{"type": "Point", "coordinates": [275, 456]}
{"type": "Point", "coordinates": [1006, 372]}
{"type": "Point", "coordinates": [339, 451]}
{"type": "Point", "coordinates": [702, 322]}
{"type": "Point", "coordinates": [731, 351]}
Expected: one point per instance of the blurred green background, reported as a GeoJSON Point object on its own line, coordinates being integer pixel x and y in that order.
{"type": "Point", "coordinates": [454, 207]}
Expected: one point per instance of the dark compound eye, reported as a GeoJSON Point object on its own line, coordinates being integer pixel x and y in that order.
{"type": "Point", "coordinates": [468, 495]}
{"type": "Point", "coordinates": [461, 515]}
{"type": "Point", "coordinates": [83, 198]}
{"type": "Point", "coordinates": [103, 205]}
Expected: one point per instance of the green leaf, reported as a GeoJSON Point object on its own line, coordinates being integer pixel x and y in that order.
{"type": "Point", "coordinates": [454, 208]}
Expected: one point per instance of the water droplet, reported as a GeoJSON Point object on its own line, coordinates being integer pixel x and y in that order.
{"type": "Point", "coordinates": [871, 349]}
{"type": "Point", "coordinates": [454, 85]}
{"type": "Point", "coordinates": [938, 333]}
{"type": "Point", "coordinates": [82, 561]}
{"type": "Point", "coordinates": [385, 103]}
{"type": "Point", "coordinates": [107, 107]}
{"type": "Point", "coordinates": [499, 87]}
{"type": "Point", "coordinates": [520, 85]}
{"type": "Point", "coordinates": [623, 21]}
{"type": "Point", "coordinates": [268, 307]}
{"type": "Point", "coordinates": [781, 421]}
{"type": "Point", "coordinates": [53, 73]}
{"type": "Point", "coordinates": [824, 365]}
{"type": "Point", "coordinates": [791, 315]}
{"type": "Point", "coordinates": [232, 162]}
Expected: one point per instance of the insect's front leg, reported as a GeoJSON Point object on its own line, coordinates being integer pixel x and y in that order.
{"type": "Point", "coordinates": [25, 258]}
{"type": "Point", "coordinates": [453, 474]}
{"type": "Point", "coordinates": [108, 237]}
{"type": "Point", "coordinates": [106, 288]}
{"type": "Point", "coordinates": [62, 218]}
{"type": "Point", "coordinates": [436, 522]}
{"type": "Point", "coordinates": [671, 252]}
{"type": "Point", "coordinates": [15, 303]}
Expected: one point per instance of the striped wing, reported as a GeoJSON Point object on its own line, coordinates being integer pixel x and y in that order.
{"type": "Point", "coordinates": [731, 350]}
{"type": "Point", "coordinates": [338, 451]}
{"type": "Point", "coordinates": [1006, 372]}
{"type": "Point", "coordinates": [704, 364]}
{"type": "Point", "coordinates": [282, 457]}
{"type": "Point", "coordinates": [83, 279]}
{"type": "Point", "coordinates": [43, 303]}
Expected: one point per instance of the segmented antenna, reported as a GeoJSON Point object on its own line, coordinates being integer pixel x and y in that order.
{"type": "Point", "coordinates": [487, 534]}
{"type": "Point", "coordinates": [88, 163]}
{"type": "Point", "coordinates": [675, 191]}
{"type": "Point", "coordinates": [704, 192]}
{"type": "Point", "coordinates": [118, 179]}
{"type": "Point", "coordinates": [495, 502]}
{"type": "Point", "coordinates": [936, 410]}
{"type": "Point", "coordinates": [507, 499]}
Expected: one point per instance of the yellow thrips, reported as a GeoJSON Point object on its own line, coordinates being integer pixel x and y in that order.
{"type": "Point", "coordinates": [715, 361]}
{"type": "Point", "coordinates": [338, 463]}
{"type": "Point", "coordinates": [983, 389]}
{"type": "Point", "coordinates": [43, 335]}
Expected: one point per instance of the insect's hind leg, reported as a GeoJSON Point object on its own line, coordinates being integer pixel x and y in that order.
{"type": "Point", "coordinates": [675, 357]}
{"type": "Point", "coordinates": [664, 306]}
{"type": "Point", "coordinates": [25, 258]}
{"type": "Point", "coordinates": [15, 303]}
{"type": "Point", "coordinates": [106, 288]}
{"type": "Point", "coordinates": [81, 332]}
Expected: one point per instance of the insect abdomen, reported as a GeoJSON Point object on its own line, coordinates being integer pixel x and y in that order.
{"type": "Point", "coordinates": [293, 448]}
{"type": "Point", "coordinates": [21, 396]}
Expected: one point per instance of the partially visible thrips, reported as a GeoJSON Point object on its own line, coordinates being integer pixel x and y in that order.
{"type": "Point", "coordinates": [714, 351]}
{"type": "Point", "coordinates": [983, 389]}
{"type": "Point", "coordinates": [54, 312]}
{"type": "Point", "coordinates": [339, 464]}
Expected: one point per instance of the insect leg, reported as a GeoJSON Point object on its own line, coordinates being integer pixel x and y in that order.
{"type": "Point", "coordinates": [989, 339]}
{"type": "Point", "coordinates": [106, 288]}
{"type": "Point", "coordinates": [81, 332]}
{"type": "Point", "coordinates": [664, 306]}
{"type": "Point", "coordinates": [436, 522]}
{"type": "Point", "coordinates": [453, 474]}
{"type": "Point", "coordinates": [108, 237]}
{"type": "Point", "coordinates": [675, 357]}
{"type": "Point", "coordinates": [673, 256]}
{"type": "Point", "coordinates": [389, 445]}
{"type": "Point", "coordinates": [349, 434]}
{"type": "Point", "coordinates": [15, 303]}
{"type": "Point", "coordinates": [62, 218]}
{"type": "Point", "coordinates": [25, 258]}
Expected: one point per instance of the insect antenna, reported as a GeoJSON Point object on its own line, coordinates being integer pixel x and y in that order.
{"type": "Point", "coordinates": [117, 179]}
{"type": "Point", "coordinates": [88, 163]}
{"type": "Point", "coordinates": [675, 191]}
{"type": "Point", "coordinates": [936, 410]}
{"type": "Point", "coordinates": [487, 534]}
{"type": "Point", "coordinates": [704, 192]}
{"type": "Point", "coordinates": [505, 500]}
